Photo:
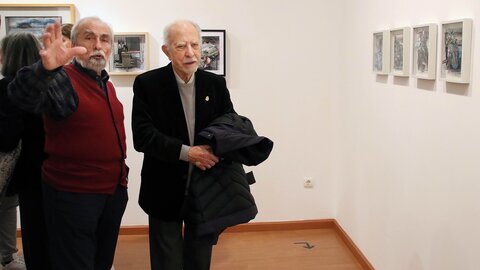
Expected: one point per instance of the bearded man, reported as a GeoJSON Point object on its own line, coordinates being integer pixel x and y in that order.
{"type": "Point", "coordinates": [84, 176]}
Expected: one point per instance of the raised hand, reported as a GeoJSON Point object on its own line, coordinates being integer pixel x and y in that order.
{"type": "Point", "coordinates": [55, 54]}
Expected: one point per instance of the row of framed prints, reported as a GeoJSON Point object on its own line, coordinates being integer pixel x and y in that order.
{"type": "Point", "coordinates": [391, 51]}
{"type": "Point", "coordinates": [130, 53]}
{"type": "Point", "coordinates": [130, 50]}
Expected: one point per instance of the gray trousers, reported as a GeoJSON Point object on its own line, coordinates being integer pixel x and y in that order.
{"type": "Point", "coordinates": [8, 228]}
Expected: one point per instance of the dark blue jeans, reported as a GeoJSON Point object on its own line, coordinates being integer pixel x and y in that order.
{"type": "Point", "coordinates": [83, 227]}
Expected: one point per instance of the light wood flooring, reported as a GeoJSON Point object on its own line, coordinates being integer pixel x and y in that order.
{"type": "Point", "coordinates": [266, 250]}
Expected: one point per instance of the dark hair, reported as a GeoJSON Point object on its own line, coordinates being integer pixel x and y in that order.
{"type": "Point", "coordinates": [67, 30]}
{"type": "Point", "coordinates": [19, 49]}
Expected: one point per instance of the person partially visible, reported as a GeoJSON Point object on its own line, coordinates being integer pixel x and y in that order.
{"type": "Point", "coordinates": [170, 106]}
{"type": "Point", "coordinates": [84, 175]}
{"type": "Point", "coordinates": [20, 128]}
{"type": "Point", "coordinates": [67, 34]}
{"type": "Point", "coordinates": [23, 50]}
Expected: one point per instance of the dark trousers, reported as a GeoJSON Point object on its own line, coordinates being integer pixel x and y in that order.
{"type": "Point", "coordinates": [83, 227]}
{"type": "Point", "coordinates": [34, 230]}
{"type": "Point", "coordinates": [170, 251]}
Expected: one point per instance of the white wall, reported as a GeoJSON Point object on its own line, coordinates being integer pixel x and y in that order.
{"type": "Point", "coordinates": [407, 166]}
{"type": "Point", "coordinates": [280, 72]}
{"type": "Point", "coordinates": [394, 160]}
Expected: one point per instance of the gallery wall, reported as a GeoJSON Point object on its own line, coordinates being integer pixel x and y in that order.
{"type": "Point", "coordinates": [280, 71]}
{"type": "Point", "coordinates": [408, 150]}
{"type": "Point", "coordinates": [394, 160]}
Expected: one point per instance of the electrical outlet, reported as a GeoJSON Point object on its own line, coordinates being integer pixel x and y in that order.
{"type": "Point", "coordinates": [308, 183]}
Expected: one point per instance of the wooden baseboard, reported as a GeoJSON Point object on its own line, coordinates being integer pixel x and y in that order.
{"type": "Point", "coordinates": [352, 247]}
{"type": "Point", "coordinates": [276, 226]}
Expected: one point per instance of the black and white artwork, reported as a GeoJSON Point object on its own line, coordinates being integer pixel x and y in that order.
{"type": "Point", "coordinates": [129, 53]}
{"type": "Point", "coordinates": [453, 37]}
{"type": "Point", "coordinates": [400, 51]}
{"type": "Point", "coordinates": [397, 38]}
{"type": "Point", "coordinates": [213, 50]}
{"type": "Point", "coordinates": [424, 51]}
{"type": "Point", "coordinates": [456, 48]}
{"type": "Point", "coordinates": [378, 52]}
{"type": "Point", "coordinates": [421, 36]}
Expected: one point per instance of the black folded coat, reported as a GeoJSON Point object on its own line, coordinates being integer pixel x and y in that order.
{"type": "Point", "coordinates": [220, 197]}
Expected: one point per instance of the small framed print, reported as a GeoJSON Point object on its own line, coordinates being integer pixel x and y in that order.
{"type": "Point", "coordinates": [381, 52]}
{"type": "Point", "coordinates": [400, 52]}
{"type": "Point", "coordinates": [33, 18]}
{"type": "Point", "coordinates": [129, 53]}
{"type": "Point", "coordinates": [425, 51]}
{"type": "Point", "coordinates": [456, 46]}
{"type": "Point", "coordinates": [213, 52]}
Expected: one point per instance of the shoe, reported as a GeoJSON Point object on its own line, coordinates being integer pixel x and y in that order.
{"type": "Point", "coordinates": [16, 264]}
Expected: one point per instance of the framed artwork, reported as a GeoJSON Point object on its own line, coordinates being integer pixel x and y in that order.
{"type": "Point", "coordinates": [129, 54]}
{"type": "Point", "coordinates": [400, 52]}
{"type": "Point", "coordinates": [33, 18]}
{"type": "Point", "coordinates": [425, 51]}
{"type": "Point", "coordinates": [213, 52]}
{"type": "Point", "coordinates": [381, 52]}
{"type": "Point", "coordinates": [456, 46]}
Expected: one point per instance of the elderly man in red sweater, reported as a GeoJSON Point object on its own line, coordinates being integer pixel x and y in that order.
{"type": "Point", "coordinates": [84, 175]}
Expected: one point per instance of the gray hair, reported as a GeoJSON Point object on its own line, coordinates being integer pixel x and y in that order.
{"type": "Point", "coordinates": [168, 30]}
{"type": "Point", "coordinates": [19, 49]}
{"type": "Point", "coordinates": [84, 20]}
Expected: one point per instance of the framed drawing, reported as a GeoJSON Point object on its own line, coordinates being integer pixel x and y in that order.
{"type": "Point", "coordinates": [33, 18]}
{"type": "Point", "coordinates": [381, 52]}
{"type": "Point", "coordinates": [400, 52]}
{"type": "Point", "coordinates": [129, 54]}
{"type": "Point", "coordinates": [456, 51]}
{"type": "Point", "coordinates": [213, 51]}
{"type": "Point", "coordinates": [425, 51]}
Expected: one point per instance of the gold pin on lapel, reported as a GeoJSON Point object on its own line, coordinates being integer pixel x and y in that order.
{"type": "Point", "coordinates": [207, 98]}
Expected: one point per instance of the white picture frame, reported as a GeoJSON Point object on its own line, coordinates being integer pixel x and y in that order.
{"type": "Point", "coordinates": [381, 52]}
{"type": "Point", "coordinates": [400, 52]}
{"type": "Point", "coordinates": [130, 54]}
{"type": "Point", "coordinates": [456, 45]}
{"type": "Point", "coordinates": [424, 56]}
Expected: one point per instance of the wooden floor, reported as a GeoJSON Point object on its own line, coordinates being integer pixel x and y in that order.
{"type": "Point", "coordinates": [318, 249]}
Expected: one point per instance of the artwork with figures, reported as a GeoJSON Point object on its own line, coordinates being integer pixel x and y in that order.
{"type": "Point", "coordinates": [129, 54]}
{"type": "Point", "coordinates": [453, 48]}
{"type": "Point", "coordinates": [400, 51]}
{"type": "Point", "coordinates": [377, 52]}
{"type": "Point", "coordinates": [456, 51]}
{"type": "Point", "coordinates": [425, 51]}
{"type": "Point", "coordinates": [397, 38]}
{"type": "Point", "coordinates": [381, 52]}
{"type": "Point", "coordinates": [421, 36]}
{"type": "Point", "coordinates": [213, 51]}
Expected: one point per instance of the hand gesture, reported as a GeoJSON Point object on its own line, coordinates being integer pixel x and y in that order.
{"type": "Point", "coordinates": [55, 54]}
{"type": "Point", "coordinates": [202, 156]}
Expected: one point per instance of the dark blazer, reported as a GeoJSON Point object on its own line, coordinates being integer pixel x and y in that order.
{"type": "Point", "coordinates": [159, 130]}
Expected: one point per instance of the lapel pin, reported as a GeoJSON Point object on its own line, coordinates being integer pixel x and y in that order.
{"type": "Point", "coordinates": [207, 98]}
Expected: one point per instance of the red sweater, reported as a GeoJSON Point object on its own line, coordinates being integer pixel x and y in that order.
{"type": "Point", "coordinates": [87, 150]}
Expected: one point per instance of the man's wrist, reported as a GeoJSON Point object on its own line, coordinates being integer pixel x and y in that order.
{"type": "Point", "coordinates": [184, 152]}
